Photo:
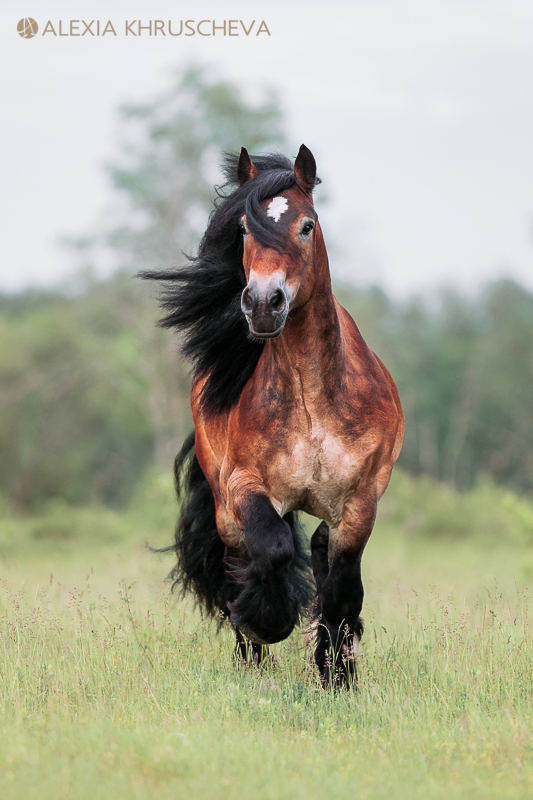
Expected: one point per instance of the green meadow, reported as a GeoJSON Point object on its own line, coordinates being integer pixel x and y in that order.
{"type": "Point", "coordinates": [112, 687]}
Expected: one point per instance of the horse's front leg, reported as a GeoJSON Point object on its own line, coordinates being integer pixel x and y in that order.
{"type": "Point", "coordinates": [336, 556]}
{"type": "Point", "coordinates": [248, 652]}
{"type": "Point", "coordinates": [266, 605]}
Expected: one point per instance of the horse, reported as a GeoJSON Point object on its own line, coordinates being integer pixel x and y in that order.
{"type": "Point", "coordinates": [292, 413]}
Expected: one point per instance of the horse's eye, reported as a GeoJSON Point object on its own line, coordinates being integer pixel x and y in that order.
{"type": "Point", "coordinates": [307, 228]}
{"type": "Point", "coordinates": [242, 229]}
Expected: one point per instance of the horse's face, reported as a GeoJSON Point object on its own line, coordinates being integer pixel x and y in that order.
{"type": "Point", "coordinates": [278, 282]}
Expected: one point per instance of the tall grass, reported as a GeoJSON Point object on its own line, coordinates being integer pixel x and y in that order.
{"type": "Point", "coordinates": [111, 688]}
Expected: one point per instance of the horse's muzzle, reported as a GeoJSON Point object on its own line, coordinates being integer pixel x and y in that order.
{"type": "Point", "coordinates": [265, 305]}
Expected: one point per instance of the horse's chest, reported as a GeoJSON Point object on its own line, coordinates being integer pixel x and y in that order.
{"type": "Point", "coordinates": [316, 474]}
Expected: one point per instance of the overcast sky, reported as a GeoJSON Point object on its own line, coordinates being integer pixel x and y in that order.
{"type": "Point", "coordinates": [419, 112]}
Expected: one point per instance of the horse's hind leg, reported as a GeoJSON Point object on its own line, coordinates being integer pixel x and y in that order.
{"type": "Point", "coordinates": [319, 555]}
{"type": "Point", "coordinates": [319, 636]}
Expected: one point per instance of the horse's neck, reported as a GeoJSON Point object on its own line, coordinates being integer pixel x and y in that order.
{"type": "Point", "coordinates": [309, 352]}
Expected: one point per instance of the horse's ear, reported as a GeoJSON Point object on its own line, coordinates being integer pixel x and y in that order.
{"type": "Point", "coordinates": [305, 169]}
{"type": "Point", "coordinates": [245, 168]}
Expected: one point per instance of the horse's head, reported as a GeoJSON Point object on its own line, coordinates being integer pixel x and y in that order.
{"type": "Point", "coordinates": [279, 247]}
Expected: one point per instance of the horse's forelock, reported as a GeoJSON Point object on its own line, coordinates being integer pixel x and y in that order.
{"type": "Point", "coordinates": [262, 228]}
{"type": "Point", "coordinates": [247, 199]}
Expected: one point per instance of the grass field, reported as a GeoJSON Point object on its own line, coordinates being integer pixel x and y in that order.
{"type": "Point", "coordinates": [109, 687]}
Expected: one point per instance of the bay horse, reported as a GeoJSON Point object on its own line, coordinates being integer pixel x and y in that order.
{"type": "Point", "coordinates": [292, 412]}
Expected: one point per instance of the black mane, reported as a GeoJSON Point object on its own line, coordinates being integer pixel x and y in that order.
{"type": "Point", "coordinates": [203, 299]}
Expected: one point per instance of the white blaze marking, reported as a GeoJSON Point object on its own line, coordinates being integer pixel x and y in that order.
{"type": "Point", "coordinates": [277, 207]}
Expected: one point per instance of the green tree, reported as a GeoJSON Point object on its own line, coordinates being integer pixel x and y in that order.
{"type": "Point", "coordinates": [73, 421]}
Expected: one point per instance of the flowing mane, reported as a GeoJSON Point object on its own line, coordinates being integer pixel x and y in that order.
{"type": "Point", "coordinates": [203, 299]}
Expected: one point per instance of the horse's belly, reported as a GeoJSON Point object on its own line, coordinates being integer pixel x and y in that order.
{"type": "Point", "coordinates": [317, 477]}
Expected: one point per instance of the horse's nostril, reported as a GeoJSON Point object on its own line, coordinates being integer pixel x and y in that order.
{"type": "Point", "coordinates": [277, 301]}
{"type": "Point", "coordinates": [247, 303]}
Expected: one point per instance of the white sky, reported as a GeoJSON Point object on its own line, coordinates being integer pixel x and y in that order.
{"type": "Point", "coordinates": [419, 113]}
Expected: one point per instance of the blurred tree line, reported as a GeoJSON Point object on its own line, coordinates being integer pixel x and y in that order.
{"type": "Point", "coordinates": [92, 393]}
{"type": "Point", "coordinates": [77, 417]}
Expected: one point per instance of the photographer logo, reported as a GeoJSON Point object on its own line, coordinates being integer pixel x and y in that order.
{"type": "Point", "coordinates": [27, 28]}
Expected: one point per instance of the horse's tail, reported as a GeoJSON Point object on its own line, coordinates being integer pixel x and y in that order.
{"type": "Point", "coordinates": [198, 547]}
